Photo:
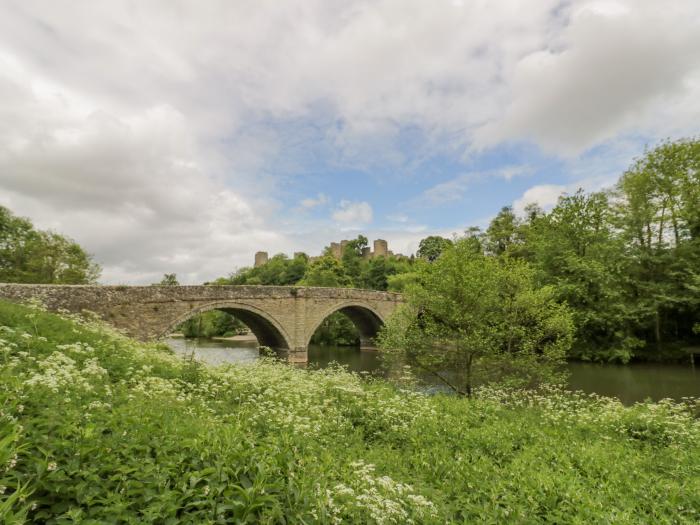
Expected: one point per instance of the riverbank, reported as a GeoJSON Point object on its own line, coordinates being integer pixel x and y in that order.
{"type": "Point", "coordinates": [106, 429]}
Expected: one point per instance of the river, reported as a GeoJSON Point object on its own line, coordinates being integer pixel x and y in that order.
{"type": "Point", "coordinates": [629, 383]}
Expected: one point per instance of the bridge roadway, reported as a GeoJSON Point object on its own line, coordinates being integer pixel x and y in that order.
{"type": "Point", "coordinates": [281, 317]}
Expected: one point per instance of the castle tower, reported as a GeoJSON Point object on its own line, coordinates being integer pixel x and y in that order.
{"type": "Point", "coordinates": [260, 258]}
{"type": "Point", "coordinates": [366, 252]}
{"type": "Point", "coordinates": [381, 248]}
{"type": "Point", "coordinates": [335, 250]}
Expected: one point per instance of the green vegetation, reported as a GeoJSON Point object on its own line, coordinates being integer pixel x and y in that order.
{"type": "Point", "coordinates": [28, 255]}
{"type": "Point", "coordinates": [472, 320]}
{"type": "Point", "coordinates": [213, 323]}
{"type": "Point", "coordinates": [97, 428]}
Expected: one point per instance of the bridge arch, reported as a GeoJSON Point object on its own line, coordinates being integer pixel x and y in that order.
{"type": "Point", "coordinates": [267, 330]}
{"type": "Point", "coordinates": [366, 319]}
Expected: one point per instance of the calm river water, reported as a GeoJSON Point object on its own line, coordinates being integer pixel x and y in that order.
{"type": "Point", "coordinates": [629, 383]}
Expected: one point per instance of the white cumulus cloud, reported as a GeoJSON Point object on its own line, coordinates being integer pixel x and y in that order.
{"type": "Point", "coordinates": [353, 214]}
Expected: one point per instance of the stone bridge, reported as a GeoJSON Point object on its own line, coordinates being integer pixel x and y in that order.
{"type": "Point", "coordinates": [281, 317]}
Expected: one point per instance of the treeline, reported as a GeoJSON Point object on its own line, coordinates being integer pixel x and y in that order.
{"type": "Point", "coordinates": [28, 255]}
{"type": "Point", "coordinates": [626, 260]}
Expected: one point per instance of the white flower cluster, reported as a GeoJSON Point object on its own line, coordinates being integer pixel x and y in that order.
{"type": "Point", "coordinates": [59, 372]}
{"type": "Point", "coordinates": [380, 498]}
{"type": "Point", "coordinates": [665, 422]}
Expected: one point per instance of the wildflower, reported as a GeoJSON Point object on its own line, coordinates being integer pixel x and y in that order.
{"type": "Point", "coordinates": [51, 466]}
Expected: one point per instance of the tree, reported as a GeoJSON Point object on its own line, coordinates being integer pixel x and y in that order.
{"type": "Point", "coordinates": [169, 279]}
{"type": "Point", "coordinates": [431, 247]}
{"type": "Point", "coordinates": [326, 271]}
{"type": "Point", "coordinates": [658, 215]}
{"type": "Point", "coordinates": [352, 259]}
{"type": "Point", "coordinates": [575, 249]}
{"type": "Point", "coordinates": [280, 270]}
{"type": "Point", "coordinates": [503, 233]}
{"type": "Point", "coordinates": [28, 255]}
{"type": "Point", "coordinates": [376, 274]}
{"type": "Point", "coordinates": [482, 318]}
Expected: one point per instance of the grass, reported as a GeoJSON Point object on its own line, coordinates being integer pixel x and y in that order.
{"type": "Point", "coordinates": [97, 428]}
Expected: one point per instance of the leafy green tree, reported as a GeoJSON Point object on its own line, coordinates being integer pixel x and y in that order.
{"type": "Point", "coordinates": [400, 281]}
{"type": "Point", "coordinates": [431, 247]}
{"type": "Point", "coordinates": [473, 320]}
{"type": "Point", "coordinates": [575, 249]}
{"type": "Point", "coordinates": [28, 255]}
{"type": "Point", "coordinates": [504, 233]}
{"type": "Point", "coordinates": [278, 271]}
{"type": "Point", "coordinates": [377, 272]}
{"type": "Point", "coordinates": [214, 323]}
{"type": "Point", "coordinates": [658, 214]}
{"type": "Point", "coordinates": [169, 279]}
{"type": "Point", "coordinates": [336, 329]}
{"type": "Point", "coordinates": [296, 268]}
{"type": "Point", "coordinates": [351, 259]}
{"type": "Point", "coordinates": [326, 271]}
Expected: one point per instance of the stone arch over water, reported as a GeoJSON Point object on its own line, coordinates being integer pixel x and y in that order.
{"type": "Point", "coordinates": [366, 319]}
{"type": "Point", "coordinates": [268, 331]}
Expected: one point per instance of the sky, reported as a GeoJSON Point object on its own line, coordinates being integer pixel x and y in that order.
{"type": "Point", "coordinates": [184, 136]}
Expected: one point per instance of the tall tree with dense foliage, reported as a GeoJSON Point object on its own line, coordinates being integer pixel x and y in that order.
{"type": "Point", "coordinates": [504, 233]}
{"type": "Point", "coordinates": [472, 319]}
{"type": "Point", "coordinates": [28, 255]}
{"type": "Point", "coordinates": [432, 246]}
{"type": "Point", "coordinates": [575, 249]}
{"type": "Point", "coordinates": [659, 216]}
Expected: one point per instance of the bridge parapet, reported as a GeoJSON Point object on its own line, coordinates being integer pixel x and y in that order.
{"type": "Point", "coordinates": [283, 317]}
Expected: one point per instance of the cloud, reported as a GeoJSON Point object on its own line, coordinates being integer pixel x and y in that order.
{"type": "Point", "coordinates": [353, 214]}
{"type": "Point", "coordinates": [544, 195]}
{"type": "Point", "coordinates": [612, 68]}
{"type": "Point", "coordinates": [449, 191]}
{"type": "Point", "coordinates": [454, 189]}
{"type": "Point", "coordinates": [310, 202]}
{"type": "Point", "coordinates": [165, 136]}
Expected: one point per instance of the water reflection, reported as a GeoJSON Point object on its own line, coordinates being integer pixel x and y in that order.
{"type": "Point", "coordinates": [215, 351]}
{"type": "Point", "coordinates": [629, 383]}
{"type": "Point", "coordinates": [636, 382]}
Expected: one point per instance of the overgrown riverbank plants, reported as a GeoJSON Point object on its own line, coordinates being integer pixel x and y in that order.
{"type": "Point", "coordinates": [97, 428]}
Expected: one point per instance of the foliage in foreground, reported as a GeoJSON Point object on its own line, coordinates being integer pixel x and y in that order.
{"type": "Point", "coordinates": [96, 428]}
{"type": "Point", "coordinates": [472, 320]}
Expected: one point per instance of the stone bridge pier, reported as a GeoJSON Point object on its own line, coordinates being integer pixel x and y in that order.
{"type": "Point", "coordinates": [281, 317]}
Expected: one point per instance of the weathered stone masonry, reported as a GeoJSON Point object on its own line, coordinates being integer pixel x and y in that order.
{"type": "Point", "coordinates": [282, 317]}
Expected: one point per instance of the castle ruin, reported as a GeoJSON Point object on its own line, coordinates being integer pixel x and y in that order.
{"type": "Point", "coordinates": [336, 249]}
